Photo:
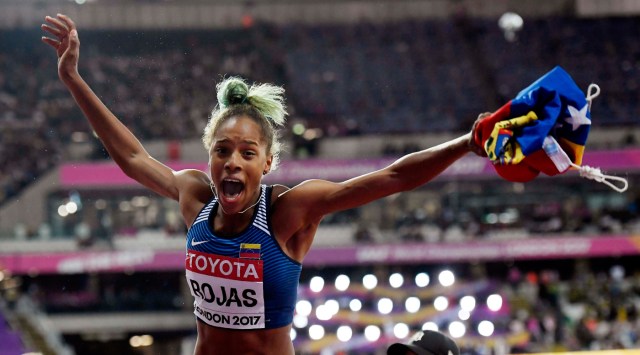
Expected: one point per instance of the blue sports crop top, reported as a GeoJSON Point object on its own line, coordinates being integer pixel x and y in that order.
{"type": "Point", "coordinates": [241, 282]}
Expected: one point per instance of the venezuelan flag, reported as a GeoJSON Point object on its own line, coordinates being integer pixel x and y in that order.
{"type": "Point", "coordinates": [543, 129]}
{"type": "Point", "coordinates": [249, 251]}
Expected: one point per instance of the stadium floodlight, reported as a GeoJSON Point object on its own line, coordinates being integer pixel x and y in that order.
{"type": "Point", "coordinates": [510, 23]}
{"type": "Point", "coordinates": [446, 278]}
{"type": "Point", "coordinates": [62, 211]}
{"type": "Point", "coordinates": [332, 306]}
{"type": "Point", "coordinates": [316, 332]}
{"type": "Point", "coordinates": [412, 304]}
{"type": "Point", "coordinates": [316, 284]}
{"type": "Point", "coordinates": [486, 328]}
{"type": "Point", "coordinates": [430, 326]}
{"type": "Point", "coordinates": [303, 308]}
{"type": "Point", "coordinates": [300, 321]}
{"type": "Point", "coordinates": [441, 303]}
{"type": "Point", "coordinates": [468, 303]}
{"type": "Point", "coordinates": [323, 313]}
{"type": "Point", "coordinates": [138, 341]}
{"type": "Point", "coordinates": [396, 280]}
{"type": "Point", "coordinates": [344, 333]}
{"type": "Point", "coordinates": [342, 282]}
{"type": "Point", "coordinates": [71, 207]}
{"type": "Point", "coordinates": [369, 281]}
{"type": "Point", "coordinates": [355, 305]}
{"type": "Point", "coordinates": [400, 330]}
{"type": "Point", "coordinates": [385, 305]}
{"type": "Point", "coordinates": [457, 329]}
{"type": "Point", "coordinates": [372, 333]}
{"type": "Point", "coordinates": [422, 279]}
{"type": "Point", "coordinates": [293, 334]}
{"type": "Point", "coordinates": [463, 315]}
{"type": "Point", "coordinates": [494, 302]}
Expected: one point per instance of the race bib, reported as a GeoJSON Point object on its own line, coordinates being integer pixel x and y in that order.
{"type": "Point", "coordinates": [228, 291]}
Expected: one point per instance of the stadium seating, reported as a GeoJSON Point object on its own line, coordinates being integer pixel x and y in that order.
{"type": "Point", "coordinates": [414, 76]}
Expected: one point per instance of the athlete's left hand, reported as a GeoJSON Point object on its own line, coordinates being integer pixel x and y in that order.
{"type": "Point", "coordinates": [65, 42]}
{"type": "Point", "coordinates": [476, 139]}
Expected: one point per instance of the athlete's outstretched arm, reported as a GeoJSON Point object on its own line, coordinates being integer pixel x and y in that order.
{"type": "Point", "coordinates": [125, 149]}
{"type": "Point", "coordinates": [308, 202]}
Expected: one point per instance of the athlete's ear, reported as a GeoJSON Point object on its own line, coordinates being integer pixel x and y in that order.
{"type": "Point", "coordinates": [267, 165]}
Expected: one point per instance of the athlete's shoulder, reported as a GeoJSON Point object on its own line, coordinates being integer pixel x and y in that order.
{"type": "Point", "coordinates": [194, 185]}
{"type": "Point", "coordinates": [277, 189]}
{"type": "Point", "coordinates": [193, 176]}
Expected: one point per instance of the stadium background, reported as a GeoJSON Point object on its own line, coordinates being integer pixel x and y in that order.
{"type": "Point", "coordinates": [90, 263]}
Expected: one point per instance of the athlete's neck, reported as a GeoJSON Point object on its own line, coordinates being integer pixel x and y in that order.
{"type": "Point", "coordinates": [241, 212]}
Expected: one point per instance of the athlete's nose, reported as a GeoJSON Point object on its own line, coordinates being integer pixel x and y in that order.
{"type": "Point", "coordinates": [232, 163]}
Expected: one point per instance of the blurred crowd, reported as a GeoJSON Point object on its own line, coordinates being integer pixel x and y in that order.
{"type": "Point", "coordinates": [352, 79]}
{"type": "Point", "coordinates": [410, 76]}
{"type": "Point", "coordinates": [561, 306]}
{"type": "Point", "coordinates": [442, 211]}
{"type": "Point", "coordinates": [453, 212]}
{"type": "Point", "coordinates": [591, 310]}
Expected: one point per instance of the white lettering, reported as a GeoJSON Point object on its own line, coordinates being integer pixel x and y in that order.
{"type": "Point", "coordinates": [199, 262]}
{"type": "Point", "coordinates": [190, 257]}
{"type": "Point", "coordinates": [229, 267]}
{"type": "Point", "coordinates": [372, 254]}
{"type": "Point", "coordinates": [214, 263]}
{"type": "Point", "coordinates": [105, 261]}
{"type": "Point", "coordinates": [251, 271]}
{"type": "Point", "coordinates": [239, 266]}
{"type": "Point", "coordinates": [225, 267]}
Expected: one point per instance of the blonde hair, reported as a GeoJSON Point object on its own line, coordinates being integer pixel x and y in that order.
{"type": "Point", "coordinates": [264, 103]}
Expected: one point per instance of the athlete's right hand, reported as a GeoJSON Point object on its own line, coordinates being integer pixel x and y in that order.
{"type": "Point", "coordinates": [66, 43]}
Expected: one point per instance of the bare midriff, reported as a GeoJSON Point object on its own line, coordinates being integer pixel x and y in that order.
{"type": "Point", "coordinates": [214, 340]}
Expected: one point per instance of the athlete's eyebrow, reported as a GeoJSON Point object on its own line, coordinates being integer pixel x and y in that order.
{"type": "Point", "coordinates": [245, 141]}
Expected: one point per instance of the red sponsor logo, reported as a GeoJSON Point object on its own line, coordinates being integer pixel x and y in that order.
{"type": "Point", "coordinates": [224, 266]}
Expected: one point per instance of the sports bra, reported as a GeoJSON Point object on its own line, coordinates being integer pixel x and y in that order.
{"type": "Point", "coordinates": [244, 281]}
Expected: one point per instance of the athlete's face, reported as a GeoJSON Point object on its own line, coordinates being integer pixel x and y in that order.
{"type": "Point", "coordinates": [238, 159]}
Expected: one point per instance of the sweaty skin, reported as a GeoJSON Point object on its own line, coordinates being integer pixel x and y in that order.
{"type": "Point", "coordinates": [239, 154]}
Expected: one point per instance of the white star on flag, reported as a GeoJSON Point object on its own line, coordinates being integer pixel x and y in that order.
{"type": "Point", "coordinates": [578, 117]}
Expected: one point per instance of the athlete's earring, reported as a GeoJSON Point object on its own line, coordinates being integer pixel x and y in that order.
{"type": "Point", "coordinates": [264, 172]}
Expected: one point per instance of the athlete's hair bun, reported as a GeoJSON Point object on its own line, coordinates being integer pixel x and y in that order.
{"type": "Point", "coordinates": [265, 98]}
{"type": "Point", "coordinates": [232, 91]}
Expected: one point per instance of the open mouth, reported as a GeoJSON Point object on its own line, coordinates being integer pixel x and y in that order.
{"type": "Point", "coordinates": [232, 188]}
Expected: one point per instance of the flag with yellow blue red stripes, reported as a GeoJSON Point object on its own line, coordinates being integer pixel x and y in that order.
{"type": "Point", "coordinates": [543, 129]}
{"type": "Point", "coordinates": [249, 251]}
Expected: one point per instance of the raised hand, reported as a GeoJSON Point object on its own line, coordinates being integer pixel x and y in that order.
{"type": "Point", "coordinates": [66, 43]}
{"type": "Point", "coordinates": [475, 141]}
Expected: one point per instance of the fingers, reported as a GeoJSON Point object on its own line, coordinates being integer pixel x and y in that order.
{"type": "Point", "coordinates": [73, 40]}
{"type": "Point", "coordinates": [476, 136]}
{"type": "Point", "coordinates": [62, 28]}
{"type": "Point", "coordinates": [483, 115]}
{"type": "Point", "coordinates": [58, 24]}
{"type": "Point", "coordinates": [68, 22]}
{"type": "Point", "coordinates": [54, 31]}
{"type": "Point", "coordinates": [52, 42]}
